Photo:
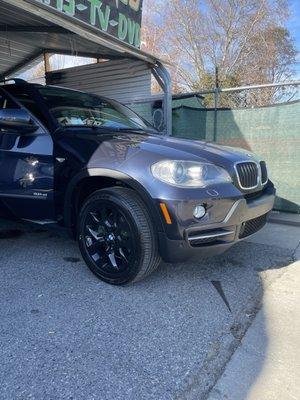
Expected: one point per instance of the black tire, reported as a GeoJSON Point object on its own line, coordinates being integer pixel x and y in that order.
{"type": "Point", "coordinates": [116, 236]}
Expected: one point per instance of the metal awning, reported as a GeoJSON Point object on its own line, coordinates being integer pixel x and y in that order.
{"type": "Point", "coordinates": [29, 29]}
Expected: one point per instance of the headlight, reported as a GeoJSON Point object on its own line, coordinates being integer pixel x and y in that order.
{"type": "Point", "coordinates": [189, 173]}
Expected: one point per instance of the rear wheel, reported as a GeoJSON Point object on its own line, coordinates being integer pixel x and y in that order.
{"type": "Point", "coordinates": [116, 236]}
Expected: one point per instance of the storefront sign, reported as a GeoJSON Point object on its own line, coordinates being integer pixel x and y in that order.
{"type": "Point", "coordinates": [119, 18]}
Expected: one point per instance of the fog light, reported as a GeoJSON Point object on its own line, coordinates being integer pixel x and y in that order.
{"type": "Point", "coordinates": [199, 212]}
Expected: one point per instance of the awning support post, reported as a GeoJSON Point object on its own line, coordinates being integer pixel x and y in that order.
{"type": "Point", "coordinates": [47, 62]}
{"type": "Point", "coordinates": [163, 78]}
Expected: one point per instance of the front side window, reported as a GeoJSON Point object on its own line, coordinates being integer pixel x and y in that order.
{"type": "Point", "coordinates": [72, 108]}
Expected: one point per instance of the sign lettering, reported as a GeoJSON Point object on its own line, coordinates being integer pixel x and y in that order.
{"type": "Point", "coordinates": [119, 18]}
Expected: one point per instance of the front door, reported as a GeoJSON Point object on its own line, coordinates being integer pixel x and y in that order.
{"type": "Point", "coordinates": [26, 169]}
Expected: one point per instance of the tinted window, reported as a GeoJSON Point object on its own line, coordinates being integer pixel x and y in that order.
{"type": "Point", "coordinates": [72, 108]}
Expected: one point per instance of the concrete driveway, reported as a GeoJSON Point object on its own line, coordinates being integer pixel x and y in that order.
{"type": "Point", "coordinates": [66, 335]}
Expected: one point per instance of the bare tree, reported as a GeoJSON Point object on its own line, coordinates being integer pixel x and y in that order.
{"type": "Point", "coordinates": [155, 39]}
{"type": "Point", "coordinates": [246, 39]}
{"type": "Point", "coordinates": [153, 33]}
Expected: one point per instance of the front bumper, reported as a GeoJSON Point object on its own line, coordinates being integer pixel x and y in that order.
{"type": "Point", "coordinates": [243, 218]}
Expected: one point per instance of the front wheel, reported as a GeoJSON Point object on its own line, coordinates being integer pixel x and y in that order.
{"type": "Point", "coordinates": [116, 236]}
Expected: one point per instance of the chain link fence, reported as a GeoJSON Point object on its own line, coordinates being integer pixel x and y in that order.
{"type": "Point", "coordinates": [252, 96]}
{"type": "Point", "coordinates": [247, 98]}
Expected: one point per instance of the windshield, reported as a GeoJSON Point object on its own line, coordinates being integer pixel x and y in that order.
{"type": "Point", "coordinates": [72, 108]}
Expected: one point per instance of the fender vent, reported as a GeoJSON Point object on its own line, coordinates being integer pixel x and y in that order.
{"type": "Point", "coordinates": [252, 226]}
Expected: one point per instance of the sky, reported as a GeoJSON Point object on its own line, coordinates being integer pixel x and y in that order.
{"type": "Point", "coordinates": [294, 27]}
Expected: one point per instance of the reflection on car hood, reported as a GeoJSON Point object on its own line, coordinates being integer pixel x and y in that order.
{"type": "Point", "coordinates": [124, 147]}
{"type": "Point", "coordinates": [122, 150]}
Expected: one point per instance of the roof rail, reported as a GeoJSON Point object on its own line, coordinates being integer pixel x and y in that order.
{"type": "Point", "coordinates": [17, 81]}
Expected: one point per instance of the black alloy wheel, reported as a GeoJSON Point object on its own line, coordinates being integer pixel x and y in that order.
{"type": "Point", "coordinates": [116, 236]}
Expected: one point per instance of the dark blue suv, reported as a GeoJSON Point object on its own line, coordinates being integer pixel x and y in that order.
{"type": "Point", "coordinates": [91, 166]}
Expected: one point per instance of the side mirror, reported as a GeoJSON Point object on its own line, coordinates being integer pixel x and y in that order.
{"type": "Point", "coordinates": [16, 119]}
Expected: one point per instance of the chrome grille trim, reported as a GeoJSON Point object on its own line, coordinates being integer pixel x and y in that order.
{"type": "Point", "coordinates": [249, 173]}
{"type": "Point", "coordinates": [210, 235]}
{"type": "Point", "coordinates": [264, 172]}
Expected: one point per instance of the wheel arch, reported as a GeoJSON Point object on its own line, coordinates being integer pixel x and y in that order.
{"type": "Point", "coordinates": [89, 180]}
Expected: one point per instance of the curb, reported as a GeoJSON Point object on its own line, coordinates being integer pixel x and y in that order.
{"type": "Point", "coordinates": [284, 218]}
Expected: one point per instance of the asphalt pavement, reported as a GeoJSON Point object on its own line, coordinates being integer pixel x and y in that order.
{"type": "Point", "coordinates": [66, 335]}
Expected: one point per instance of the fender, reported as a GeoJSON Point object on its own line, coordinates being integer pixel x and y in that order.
{"type": "Point", "coordinates": [113, 174]}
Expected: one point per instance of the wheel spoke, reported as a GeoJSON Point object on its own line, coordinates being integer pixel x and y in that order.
{"type": "Point", "coordinates": [104, 217]}
{"type": "Point", "coordinates": [93, 245]}
{"type": "Point", "coordinates": [122, 224]}
{"type": "Point", "coordinates": [114, 219]}
{"type": "Point", "coordinates": [95, 234]}
{"type": "Point", "coordinates": [94, 217]}
{"type": "Point", "coordinates": [123, 254]}
{"type": "Point", "coordinates": [109, 239]}
{"type": "Point", "coordinates": [92, 232]}
{"type": "Point", "coordinates": [125, 243]}
{"type": "Point", "coordinates": [112, 259]}
{"type": "Point", "coordinates": [99, 259]}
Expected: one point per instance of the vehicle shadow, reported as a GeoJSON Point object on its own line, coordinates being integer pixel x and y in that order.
{"type": "Point", "coordinates": [166, 337]}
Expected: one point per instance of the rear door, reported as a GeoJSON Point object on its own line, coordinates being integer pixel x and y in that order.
{"type": "Point", "coordinates": [26, 166]}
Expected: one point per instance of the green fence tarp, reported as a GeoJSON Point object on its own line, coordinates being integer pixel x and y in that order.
{"type": "Point", "coordinates": [271, 132]}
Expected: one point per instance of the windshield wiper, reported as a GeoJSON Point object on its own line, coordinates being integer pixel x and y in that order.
{"type": "Point", "coordinates": [145, 130]}
{"type": "Point", "coordinates": [94, 127]}
{"type": "Point", "coordinates": [110, 129]}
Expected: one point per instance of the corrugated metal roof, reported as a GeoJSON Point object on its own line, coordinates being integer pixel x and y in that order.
{"type": "Point", "coordinates": [17, 48]}
{"type": "Point", "coordinates": [123, 80]}
{"type": "Point", "coordinates": [10, 15]}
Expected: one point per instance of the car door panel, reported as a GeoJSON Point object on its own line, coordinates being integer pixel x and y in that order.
{"type": "Point", "coordinates": [26, 173]}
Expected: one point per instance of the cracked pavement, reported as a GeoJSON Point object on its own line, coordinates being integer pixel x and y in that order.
{"type": "Point", "coordinates": [270, 348]}
{"type": "Point", "coordinates": [66, 335]}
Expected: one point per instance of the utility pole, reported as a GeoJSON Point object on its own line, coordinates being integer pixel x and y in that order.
{"type": "Point", "coordinates": [217, 78]}
{"type": "Point", "coordinates": [216, 95]}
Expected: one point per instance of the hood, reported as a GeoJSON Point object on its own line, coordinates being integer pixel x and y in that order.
{"type": "Point", "coordinates": [124, 150]}
{"type": "Point", "coordinates": [153, 148]}
{"type": "Point", "coordinates": [204, 151]}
